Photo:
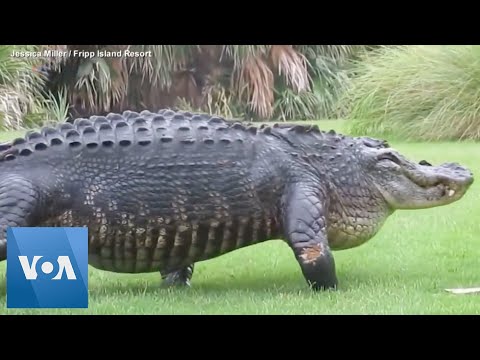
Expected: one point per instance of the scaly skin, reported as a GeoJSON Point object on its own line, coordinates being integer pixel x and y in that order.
{"type": "Point", "coordinates": [162, 191]}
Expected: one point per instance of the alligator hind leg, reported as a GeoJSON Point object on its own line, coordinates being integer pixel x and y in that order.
{"type": "Point", "coordinates": [305, 230]}
{"type": "Point", "coordinates": [18, 202]}
{"type": "Point", "coordinates": [180, 277]}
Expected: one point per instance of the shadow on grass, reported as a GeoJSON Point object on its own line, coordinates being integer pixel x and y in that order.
{"type": "Point", "coordinates": [212, 287]}
{"type": "Point", "coordinates": [136, 286]}
{"type": "Point", "coordinates": [205, 286]}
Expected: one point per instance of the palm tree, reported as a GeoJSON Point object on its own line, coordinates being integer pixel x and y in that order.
{"type": "Point", "coordinates": [255, 81]}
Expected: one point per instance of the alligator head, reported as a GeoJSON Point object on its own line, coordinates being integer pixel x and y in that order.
{"type": "Point", "coordinates": [405, 184]}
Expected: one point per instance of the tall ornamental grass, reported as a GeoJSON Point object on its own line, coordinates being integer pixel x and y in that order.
{"type": "Point", "coordinates": [421, 93]}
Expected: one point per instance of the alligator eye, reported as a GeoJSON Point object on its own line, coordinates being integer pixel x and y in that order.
{"type": "Point", "coordinates": [375, 143]}
{"type": "Point", "coordinates": [389, 156]}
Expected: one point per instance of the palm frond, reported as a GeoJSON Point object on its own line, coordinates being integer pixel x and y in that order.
{"type": "Point", "coordinates": [242, 53]}
{"type": "Point", "coordinates": [119, 79]}
{"type": "Point", "coordinates": [101, 82]}
{"type": "Point", "coordinates": [248, 75]}
{"type": "Point", "coordinates": [12, 109]}
{"type": "Point", "coordinates": [165, 60]}
{"type": "Point", "coordinates": [256, 82]}
{"type": "Point", "coordinates": [54, 62]}
{"type": "Point", "coordinates": [291, 64]}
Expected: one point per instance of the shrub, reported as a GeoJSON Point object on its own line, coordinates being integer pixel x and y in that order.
{"type": "Point", "coordinates": [254, 82]}
{"type": "Point", "coordinates": [417, 93]}
{"type": "Point", "coordinates": [20, 87]}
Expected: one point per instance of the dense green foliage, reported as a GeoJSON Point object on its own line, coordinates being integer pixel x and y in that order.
{"type": "Point", "coordinates": [410, 92]}
{"type": "Point", "coordinates": [23, 99]}
{"type": "Point", "coordinates": [19, 87]}
{"type": "Point", "coordinates": [417, 93]}
{"type": "Point", "coordinates": [259, 82]}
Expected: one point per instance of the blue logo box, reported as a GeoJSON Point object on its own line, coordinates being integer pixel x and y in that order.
{"type": "Point", "coordinates": [47, 267]}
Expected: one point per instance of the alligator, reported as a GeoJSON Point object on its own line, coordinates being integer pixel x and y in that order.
{"type": "Point", "coordinates": [161, 191]}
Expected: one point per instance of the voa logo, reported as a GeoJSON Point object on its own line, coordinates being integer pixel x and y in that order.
{"type": "Point", "coordinates": [47, 267]}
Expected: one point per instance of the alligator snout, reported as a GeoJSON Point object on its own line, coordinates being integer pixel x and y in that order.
{"type": "Point", "coordinates": [452, 175]}
{"type": "Point", "coordinates": [458, 173]}
{"type": "Point", "coordinates": [451, 169]}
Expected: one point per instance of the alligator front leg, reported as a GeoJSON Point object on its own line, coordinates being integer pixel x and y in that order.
{"type": "Point", "coordinates": [18, 201]}
{"type": "Point", "coordinates": [305, 230]}
{"type": "Point", "coordinates": [178, 278]}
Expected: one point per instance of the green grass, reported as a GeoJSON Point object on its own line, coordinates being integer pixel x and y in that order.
{"type": "Point", "coordinates": [403, 270]}
{"type": "Point", "coordinates": [418, 92]}
{"type": "Point", "coordinates": [6, 136]}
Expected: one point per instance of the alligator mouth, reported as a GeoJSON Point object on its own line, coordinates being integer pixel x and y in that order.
{"type": "Point", "coordinates": [445, 180]}
{"type": "Point", "coordinates": [445, 189]}
{"type": "Point", "coordinates": [424, 176]}
{"type": "Point", "coordinates": [423, 185]}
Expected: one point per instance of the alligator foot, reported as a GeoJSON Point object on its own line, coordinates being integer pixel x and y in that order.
{"type": "Point", "coordinates": [179, 278]}
{"type": "Point", "coordinates": [318, 266]}
{"type": "Point", "coordinates": [304, 219]}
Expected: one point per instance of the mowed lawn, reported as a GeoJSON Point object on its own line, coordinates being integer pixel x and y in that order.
{"type": "Point", "coordinates": [403, 270]}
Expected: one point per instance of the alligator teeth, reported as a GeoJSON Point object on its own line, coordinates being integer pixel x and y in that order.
{"type": "Point", "coordinates": [451, 192]}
